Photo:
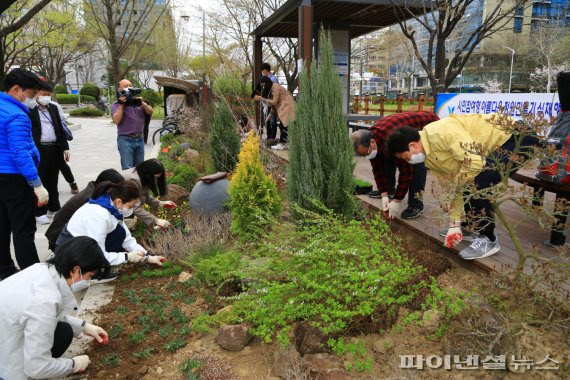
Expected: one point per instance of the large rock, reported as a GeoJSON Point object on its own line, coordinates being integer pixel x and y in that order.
{"type": "Point", "coordinates": [234, 337]}
{"type": "Point", "coordinates": [176, 194]}
{"type": "Point", "coordinates": [286, 361]}
{"type": "Point", "coordinates": [209, 198]}
{"type": "Point", "coordinates": [309, 339]}
{"type": "Point", "coordinates": [191, 154]}
{"type": "Point", "coordinates": [325, 367]}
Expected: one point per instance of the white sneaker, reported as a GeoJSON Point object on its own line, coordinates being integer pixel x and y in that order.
{"type": "Point", "coordinates": [279, 146]}
{"type": "Point", "coordinates": [51, 214]}
{"type": "Point", "coordinates": [480, 247]}
{"type": "Point", "coordinates": [42, 219]}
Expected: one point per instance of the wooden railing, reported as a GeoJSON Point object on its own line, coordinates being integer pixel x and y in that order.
{"type": "Point", "coordinates": [377, 104]}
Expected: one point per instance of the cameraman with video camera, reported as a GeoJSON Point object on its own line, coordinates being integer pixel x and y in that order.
{"type": "Point", "coordinates": [129, 115]}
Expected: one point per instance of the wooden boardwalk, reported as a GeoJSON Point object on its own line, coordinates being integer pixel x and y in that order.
{"type": "Point", "coordinates": [429, 224]}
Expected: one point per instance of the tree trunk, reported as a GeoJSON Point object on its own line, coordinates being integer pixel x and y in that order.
{"type": "Point", "coordinates": [548, 75]}
{"type": "Point", "coordinates": [2, 61]}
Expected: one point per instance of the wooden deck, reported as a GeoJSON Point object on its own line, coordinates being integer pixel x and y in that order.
{"type": "Point", "coordinates": [429, 224]}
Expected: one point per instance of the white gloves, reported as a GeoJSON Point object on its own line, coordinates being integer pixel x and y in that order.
{"type": "Point", "coordinates": [136, 256]}
{"type": "Point", "coordinates": [385, 203]}
{"type": "Point", "coordinates": [162, 223]}
{"type": "Point", "coordinates": [42, 195]}
{"type": "Point", "coordinates": [453, 237]}
{"type": "Point", "coordinates": [167, 204]}
{"type": "Point", "coordinates": [80, 363]}
{"type": "Point", "coordinates": [66, 155]}
{"type": "Point", "coordinates": [96, 332]}
{"type": "Point", "coordinates": [393, 209]}
{"type": "Point", "coordinates": [157, 260]}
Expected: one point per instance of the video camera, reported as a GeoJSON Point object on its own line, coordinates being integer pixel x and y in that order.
{"type": "Point", "coordinates": [130, 94]}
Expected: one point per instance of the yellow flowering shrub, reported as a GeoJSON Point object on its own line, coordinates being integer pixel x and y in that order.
{"type": "Point", "coordinates": [254, 200]}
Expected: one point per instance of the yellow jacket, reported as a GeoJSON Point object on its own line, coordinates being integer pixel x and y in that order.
{"type": "Point", "coordinates": [449, 146]}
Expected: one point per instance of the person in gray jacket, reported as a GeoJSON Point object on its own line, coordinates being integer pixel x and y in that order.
{"type": "Point", "coordinates": [36, 327]}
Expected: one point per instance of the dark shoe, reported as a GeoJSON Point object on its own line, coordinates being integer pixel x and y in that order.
{"type": "Point", "coordinates": [7, 272]}
{"type": "Point", "coordinates": [74, 188]}
{"type": "Point", "coordinates": [479, 248]}
{"type": "Point", "coordinates": [412, 212]}
{"type": "Point", "coordinates": [374, 194]}
{"type": "Point", "coordinates": [100, 278]}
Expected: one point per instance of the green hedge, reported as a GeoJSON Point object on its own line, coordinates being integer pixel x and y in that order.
{"type": "Point", "coordinates": [72, 98]}
{"type": "Point", "coordinates": [90, 89]}
{"type": "Point", "coordinates": [152, 97]}
{"type": "Point", "coordinates": [60, 89]}
{"type": "Point", "coordinates": [87, 111]}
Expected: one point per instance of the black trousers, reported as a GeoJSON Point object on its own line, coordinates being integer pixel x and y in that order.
{"type": "Point", "coordinates": [480, 209]}
{"type": "Point", "coordinates": [17, 209]}
{"type": "Point", "coordinates": [62, 338]}
{"type": "Point", "coordinates": [283, 135]}
{"type": "Point", "coordinates": [66, 171]}
{"type": "Point", "coordinates": [419, 175]}
{"type": "Point", "coordinates": [50, 162]}
{"type": "Point", "coordinates": [271, 126]}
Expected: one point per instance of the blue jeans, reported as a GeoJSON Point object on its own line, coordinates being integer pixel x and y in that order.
{"type": "Point", "coordinates": [131, 151]}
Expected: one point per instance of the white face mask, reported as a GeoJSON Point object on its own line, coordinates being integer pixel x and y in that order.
{"type": "Point", "coordinates": [417, 158]}
{"type": "Point", "coordinates": [372, 155]}
{"type": "Point", "coordinates": [44, 100]}
{"type": "Point", "coordinates": [30, 103]}
{"type": "Point", "coordinates": [126, 212]}
{"type": "Point", "coordinates": [80, 285]}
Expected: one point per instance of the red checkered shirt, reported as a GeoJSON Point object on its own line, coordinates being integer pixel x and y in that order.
{"type": "Point", "coordinates": [380, 130]}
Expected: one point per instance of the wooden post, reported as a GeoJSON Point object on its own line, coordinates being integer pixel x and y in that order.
{"type": "Point", "coordinates": [400, 100]}
{"type": "Point", "coordinates": [366, 100]}
{"type": "Point", "coordinates": [421, 101]}
{"type": "Point", "coordinates": [381, 105]}
{"type": "Point", "coordinates": [305, 34]}
{"type": "Point", "coordinates": [205, 96]}
{"type": "Point", "coordinates": [257, 60]}
{"type": "Point", "coordinates": [357, 104]}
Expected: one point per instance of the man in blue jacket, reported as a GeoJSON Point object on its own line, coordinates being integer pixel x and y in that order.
{"type": "Point", "coordinates": [21, 189]}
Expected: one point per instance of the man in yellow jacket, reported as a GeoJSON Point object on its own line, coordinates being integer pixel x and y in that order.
{"type": "Point", "coordinates": [456, 149]}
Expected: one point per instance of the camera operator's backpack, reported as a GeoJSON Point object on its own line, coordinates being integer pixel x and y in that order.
{"type": "Point", "coordinates": [557, 168]}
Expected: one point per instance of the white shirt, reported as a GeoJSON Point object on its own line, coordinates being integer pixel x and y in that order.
{"type": "Point", "coordinates": [48, 130]}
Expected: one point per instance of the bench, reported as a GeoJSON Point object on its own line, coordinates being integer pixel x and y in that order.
{"type": "Point", "coordinates": [557, 236]}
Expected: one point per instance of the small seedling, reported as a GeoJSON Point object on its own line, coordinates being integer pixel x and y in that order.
{"type": "Point", "coordinates": [178, 294]}
{"type": "Point", "coordinates": [144, 354]}
{"type": "Point", "coordinates": [131, 295]}
{"type": "Point", "coordinates": [188, 368]}
{"type": "Point", "coordinates": [165, 331]}
{"type": "Point", "coordinates": [134, 276]}
{"type": "Point", "coordinates": [159, 311]}
{"type": "Point", "coordinates": [189, 300]}
{"type": "Point", "coordinates": [178, 316]}
{"type": "Point", "coordinates": [155, 298]}
{"type": "Point", "coordinates": [111, 359]}
{"type": "Point", "coordinates": [125, 278]}
{"type": "Point", "coordinates": [185, 330]}
{"type": "Point", "coordinates": [148, 290]}
{"type": "Point", "coordinates": [136, 338]}
{"type": "Point", "coordinates": [115, 330]}
{"type": "Point", "coordinates": [122, 310]}
{"type": "Point", "coordinates": [174, 345]}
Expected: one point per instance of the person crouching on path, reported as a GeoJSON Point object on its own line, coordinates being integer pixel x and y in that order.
{"type": "Point", "coordinates": [370, 143]}
{"type": "Point", "coordinates": [36, 326]}
{"type": "Point", "coordinates": [150, 177]}
{"type": "Point", "coordinates": [47, 130]}
{"type": "Point", "coordinates": [283, 102]}
{"type": "Point", "coordinates": [444, 146]}
{"type": "Point", "coordinates": [102, 219]}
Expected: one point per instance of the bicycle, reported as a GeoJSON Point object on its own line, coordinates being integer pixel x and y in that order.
{"type": "Point", "coordinates": [169, 125]}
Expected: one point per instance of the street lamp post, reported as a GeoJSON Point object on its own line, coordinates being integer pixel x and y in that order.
{"type": "Point", "coordinates": [512, 60]}
{"type": "Point", "coordinates": [78, 90]}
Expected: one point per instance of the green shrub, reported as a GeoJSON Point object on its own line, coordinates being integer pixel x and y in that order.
{"type": "Point", "coordinates": [321, 156]}
{"type": "Point", "coordinates": [331, 274]}
{"type": "Point", "coordinates": [90, 89]}
{"type": "Point", "coordinates": [152, 97]}
{"type": "Point", "coordinates": [60, 89]}
{"type": "Point", "coordinates": [183, 175]}
{"type": "Point", "coordinates": [87, 111]}
{"type": "Point", "coordinates": [72, 98]}
{"type": "Point", "coordinates": [362, 183]}
{"type": "Point", "coordinates": [230, 84]}
{"type": "Point", "coordinates": [254, 199]}
{"type": "Point", "coordinates": [217, 267]}
{"type": "Point", "coordinates": [224, 139]}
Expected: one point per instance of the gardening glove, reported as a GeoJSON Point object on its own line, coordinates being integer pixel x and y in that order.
{"type": "Point", "coordinates": [80, 363]}
{"type": "Point", "coordinates": [42, 195]}
{"type": "Point", "coordinates": [167, 204]}
{"type": "Point", "coordinates": [453, 237]}
{"type": "Point", "coordinates": [385, 203]}
{"type": "Point", "coordinates": [162, 223]}
{"type": "Point", "coordinates": [157, 260]}
{"type": "Point", "coordinates": [393, 208]}
{"type": "Point", "coordinates": [66, 155]}
{"type": "Point", "coordinates": [136, 256]}
{"type": "Point", "coordinates": [96, 332]}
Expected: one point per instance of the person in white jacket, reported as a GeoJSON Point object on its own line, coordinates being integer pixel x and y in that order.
{"type": "Point", "coordinates": [101, 218]}
{"type": "Point", "coordinates": [36, 327]}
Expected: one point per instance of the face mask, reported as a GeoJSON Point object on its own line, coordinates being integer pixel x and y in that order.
{"type": "Point", "coordinates": [417, 158]}
{"type": "Point", "coordinates": [372, 155]}
{"type": "Point", "coordinates": [44, 100]}
{"type": "Point", "coordinates": [80, 285]}
{"type": "Point", "coordinates": [30, 103]}
{"type": "Point", "coordinates": [126, 212]}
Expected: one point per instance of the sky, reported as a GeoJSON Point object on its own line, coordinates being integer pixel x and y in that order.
{"type": "Point", "coordinates": [192, 26]}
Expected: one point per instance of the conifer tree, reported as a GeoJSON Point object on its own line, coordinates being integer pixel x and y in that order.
{"type": "Point", "coordinates": [224, 139]}
{"type": "Point", "coordinates": [321, 161]}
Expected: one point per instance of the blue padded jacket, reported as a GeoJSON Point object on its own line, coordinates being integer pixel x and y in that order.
{"type": "Point", "coordinates": [18, 152]}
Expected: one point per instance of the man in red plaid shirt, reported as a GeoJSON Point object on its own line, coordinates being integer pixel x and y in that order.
{"type": "Point", "coordinates": [370, 143]}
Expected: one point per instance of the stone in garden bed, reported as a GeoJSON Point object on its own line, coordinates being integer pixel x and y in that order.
{"type": "Point", "coordinates": [234, 337]}
{"type": "Point", "coordinates": [309, 339]}
{"type": "Point", "coordinates": [177, 194]}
